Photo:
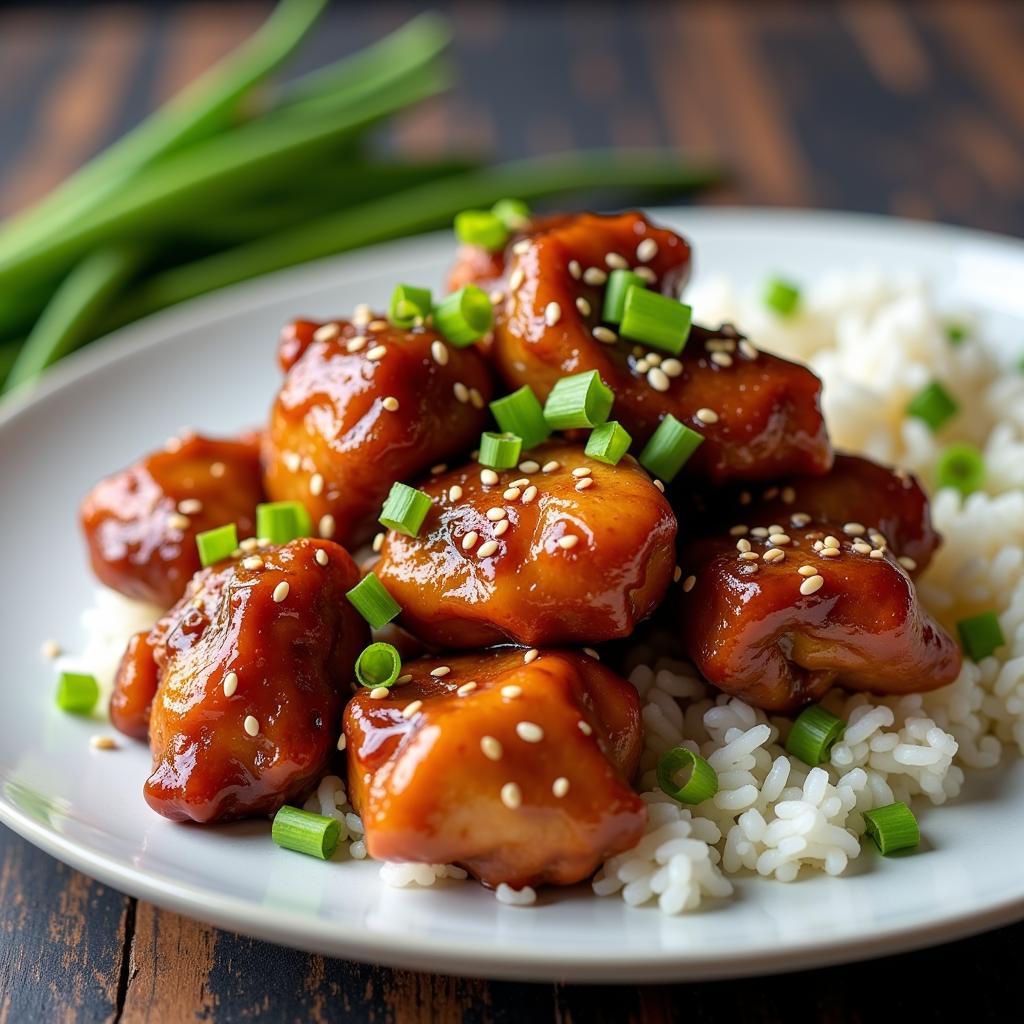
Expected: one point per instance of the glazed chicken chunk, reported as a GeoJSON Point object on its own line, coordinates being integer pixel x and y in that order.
{"type": "Point", "coordinates": [141, 524]}
{"type": "Point", "coordinates": [362, 405]}
{"type": "Point", "coordinates": [759, 415]}
{"type": "Point", "coordinates": [251, 669]}
{"type": "Point", "coordinates": [513, 765]}
{"type": "Point", "coordinates": [778, 619]}
{"type": "Point", "coordinates": [561, 550]}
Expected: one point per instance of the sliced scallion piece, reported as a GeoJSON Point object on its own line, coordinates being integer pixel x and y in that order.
{"type": "Point", "coordinates": [378, 665]}
{"type": "Point", "coordinates": [961, 466]}
{"type": "Point", "coordinates": [980, 635]}
{"type": "Point", "coordinates": [655, 319]}
{"type": "Point", "coordinates": [305, 832]}
{"type": "Point", "coordinates": [608, 442]}
{"type": "Point", "coordinates": [956, 333]}
{"type": "Point", "coordinates": [669, 448]}
{"type": "Point", "coordinates": [405, 509]}
{"type": "Point", "coordinates": [893, 828]}
{"type": "Point", "coordinates": [934, 405]}
{"type": "Point", "coordinates": [813, 734]}
{"type": "Point", "coordinates": [499, 451]}
{"type": "Point", "coordinates": [582, 400]}
{"type": "Point", "coordinates": [481, 227]}
{"type": "Point", "coordinates": [782, 296]}
{"type": "Point", "coordinates": [513, 213]}
{"type": "Point", "coordinates": [464, 316]}
{"type": "Point", "coordinates": [409, 305]}
{"type": "Point", "coordinates": [522, 414]}
{"type": "Point", "coordinates": [373, 602]}
{"type": "Point", "coordinates": [282, 521]}
{"type": "Point", "coordinates": [217, 544]}
{"type": "Point", "coordinates": [700, 785]}
{"type": "Point", "coordinates": [77, 692]}
{"type": "Point", "coordinates": [619, 281]}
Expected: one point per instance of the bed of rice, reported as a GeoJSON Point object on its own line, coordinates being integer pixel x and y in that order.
{"type": "Point", "coordinates": [875, 340]}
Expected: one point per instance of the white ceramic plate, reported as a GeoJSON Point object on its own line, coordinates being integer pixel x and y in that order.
{"type": "Point", "coordinates": [211, 364]}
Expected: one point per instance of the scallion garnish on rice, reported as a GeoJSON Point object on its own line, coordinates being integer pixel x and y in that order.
{"type": "Point", "coordinates": [933, 405]}
{"type": "Point", "coordinates": [962, 467]}
{"type": "Point", "coordinates": [782, 296]}
{"type": "Point", "coordinates": [306, 832]}
{"type": "Point", "coordinates": [980, 635]}
{"type": "Point", "coordinates": [893, 828]}
{"type": "Point", "coordinates": [701, 783]}
{"type": "Point", "coordinates": [77, 692]}
{"type": "Point", "coordinates": [813, 734]}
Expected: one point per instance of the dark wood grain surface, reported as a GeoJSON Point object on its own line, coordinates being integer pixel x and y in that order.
{"type": "Point", "coordinates": [915, 109]}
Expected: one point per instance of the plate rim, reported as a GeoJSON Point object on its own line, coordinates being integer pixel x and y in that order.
{"type": "Point", "coordinates": [442, 954]}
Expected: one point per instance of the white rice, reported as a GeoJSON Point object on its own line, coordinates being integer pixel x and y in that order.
{"type": "Point", "coordinates": [331, 800]}
{"type": "Point", "coordinates": [875, 340]}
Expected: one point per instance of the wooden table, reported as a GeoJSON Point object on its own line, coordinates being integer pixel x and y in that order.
{"type": "Point", "coordinates": [915, 109]}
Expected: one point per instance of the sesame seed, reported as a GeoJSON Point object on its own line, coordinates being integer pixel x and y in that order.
{"type": "Point", "coordinates": [512, 494]}
{"type": "Point", "coordinates": [646, 274]}
{"type": "Point", "coordinates": [440, 671]}
{"type": "Point", "coordinates": [878, 553]}
{"type": "Point", "coordinates": [361, 314]}
{"type": "Point", "coordinates": [689, 583]}
{"type": "Point", "coordinates": [550, 467]}
{"type": "Point", "coordinates": [511, 691]}
{"type": "Point", "coordinates": [326, 526]}
{"type": "Point", "coordinates": [488, 477]}
{"type": "Point", "coordinates": [529, 732]}
{"type": "Point", "coordinates": [854, 529]}
{"type": "Point", "coordinates": [251, 725]}
{"type": "Point", "coordinates": [376, 353]}
{"type": "Point", "coordinates": [583, 306]}
{"type": "Point", "coordinates": [529, 494]}
{"type": "Point", "coordinates": [658, 379]}
{"type": "Point", "coordinates": [647, 250]}
{"type": "Point", "coordinates": [831, 542]}
{"type": "Point", "coordinates": [582, 471]}
{"type": "Point", "coordinates": [746, 497]}
{"type": "Point", "coordinates": [516, 279]}
{"type": "Point", "coordinates": [568, 543]}
{"type": "Point", "coordinates": [322, 558]}
{"type": "Point", "coordinates": [584, 727]}
{"type": "Point", "coordinates": [487, 549]}
{"type": "Point", "coordinates": [749, 556]}
{"type": "Point", "coordinates": [469, 540]}
{"type": "Point", "coordinates": [615, 261]}
{"type": "Point", "coordinates": [707, 415]}
{"type": "Point", "coordinates": [773, 555]}
{"type": "Point", "coordinates": [102, 743]}
{"type": "Point", "coordinates": [327, 332]}
{"type": "Point", "coordinates": [501, 528]}
{"type": "Point", "coordinates": [495, 513]}
{"type": "Point", "coordinates": [722, 359]}
{"type": "Point", "coordinates": [390, 403]}
{"type": "Point", "coordinates": [411, 708]}
{"type": "Point", "coordinates": [642, 366]}
{"type": "Point", "coordinates": [531, 655]}
{"type": "Point", "coordinates": [466, 688]}
{"type": "Point", "coordinates": [591, 653]}
{"type": "Point", "coordinates": [743, 544]}
{"type": "Point", "coordinates": [281, 591]}
{"type": "Point", "coordinates": [575, 271]}
{"type": "Point", "coordinates": [584, 483]}
{"type": "Point", "coordinates": [760, 532]}
{"type": "Point", "coordinates": [249, 544]}
{"type": "Point", "coordinates": [357, 344]}
{"type": "Point", "coordinates": [217, 469]}
{"type": "Point", "coordinates": [230, 684]}
{"type": "Point", "coordinates": [778, 538]}
{"type": "Point", "coordinates": [594, 276]}
{"type": "Point", "coordinates": [491, 748]}
{"type": "Point", "coordinates": [605, 335]}
{"type": "Point", "coordinates": [738, 530]}
{"type": "Point", "coordinates": [818, 545]}
{"type": "Point", "coordinates": [511, 796]}
{"type": "Point", "coordinates": [476, 398]}
{"type": "Point", "coordinates": [377, 325]}
{"type": "Point", "coordinates": [653, 359]}
{"type": "Point", "coordinates": [861, 548]}
{"type": "Point", "coordinates": [176, 521]}
{"type": "Point", "coordinates": [830, 552]}
{"type": "Point", "coordinates": [812, 585]}
{"type": "Point", "coordinates": [379, 693]}
{"type": "Point", "coordinates": [799, 519]}
{"type": "Point", "coordinates": [908, 563]}
{"type": "Point", "coordinates": [316, 484]}
{"type": "Point", "coordinates": [252, 562]}
{"type": "Point", "coordinates": [378, 542]}
{"type": "Point", "coordinates": [528, 466]}
{"type": "Point", "coordinates": [552, 313]}
{"type": "Point", "coordinates": [677, 574]}
{"type": "Point", "coordinates": [439, 352]}
{"type": "Point", "coordinates": [659, 485]}
{"type": "Point", "coordinates": [50, 649]}
{"type": "Point", "coordinates": [406, 678]}
{"type": "Point", "coordinates": [747, 349]}
{"type": "Point", "coordinates": [190, 506]}
{"type": "Point", "coordinates": [342, 742]}
{"type": "Point", "coordinates": [878, 540]}
{"type": "Point", "coordinates": [560, 786]}
{"type": "Point", "coordinates": [496, 296]}
{"type": "Point", "coordinates": [292, 461]}
{"type": "Point", "coordinates": [807, 570]}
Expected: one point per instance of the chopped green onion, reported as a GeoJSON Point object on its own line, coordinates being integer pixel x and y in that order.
{"type": "Point", "coordinates": [608, 442]}
{"type": "Point", "coordinates": [77, 692]}
{"type": "Point", "coordinates": [481, 227]}
{"type": "Point", "coordinates": [282, 521]}
{"type": "Point", "coordinates": [499, 451]}
{"type": "Point", "coordinates": [619, 282]}
{"type": "Point", "coordinates": [813, 733]}
{"type": "Point", "coordinates": [702, 783]}
{"type": "Point", "coordinates": [522, 414]}
{"type": "Point", "coordinates": [980, 635]}
{"type": "Point", "coordinates": [464, 316]}
{"type": "Point", "coordinates": [669, 448]}
{"type": "Point", "coordinates": [378, 665]}
{"type": "Point", "coordinates": [655, 319]}
{"type": "Point", "coordinates": [409, 304]}
{"type": "Point", "coordinates": [956, 333]}
{"type": "Point", "coordinates": [961, 466]}
{"type": "Point", "coordinates": [893, 828]}
{"type": "Point", "coordinates": [513, 213]}
{"type": "Point", "coordinates": [373, 602]}
{"type": "Point", "coordinates": [217, 544]}
{"type": "Point", "coordinates": [782, 296]}
{"type": "Point", "coordinates": [582, 400]}
{"type": "Point", "coordinates": [305, 832]}
{"type": "Point", "coordinates": [934, 405]}
{"type": "Point", "coordinates": [405, 509]}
